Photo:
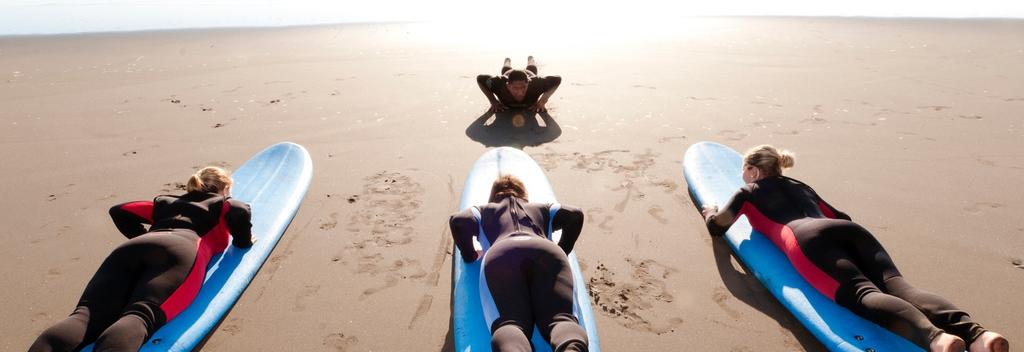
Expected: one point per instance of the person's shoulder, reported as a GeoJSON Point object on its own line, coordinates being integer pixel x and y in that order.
{"type": "Point", "coordinates": [237, 204]}
{"type": "Point", "coordinates": [547, 81]}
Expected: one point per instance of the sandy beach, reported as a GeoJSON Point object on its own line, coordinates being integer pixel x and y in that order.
{"type": "Point", "coordinates": [913, 127]}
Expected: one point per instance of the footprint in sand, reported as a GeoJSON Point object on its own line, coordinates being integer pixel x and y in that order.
{"type": "Point", "coordinates": [425, 302]}
{"type": "Point", "coordinates": [774, 105]}
{"type": "Point", "coordinates": [668, 185]}
{"type": "Point", "coordinates": [814, 120]}
{"type": "Point", "coordinates": [233, 327]}
{"type": "Point", "coordinates": [640, 304]}
{"type": "Point", "coordinates": [970, 117]}
{"type": "Point", "coordinates": [55, 196]}
{"type": "Point", "coordinates": [934, 107]}
{"type": "Point", "coordinates": [700, 98]}
{"type": "Point", "coordinates": [669, 139]}
{"type": "Point", "coordinates": [985, 162]}
{"type": "Point", "coordinates": [787, 133]}
{"type": "Point", "coordinates": [632, 193]}
{"type": "Point", "coordinates": [655, 212]}
{"type": "Point", "coordinates": [631, 166]}
{"type": "Point", "coordinates": [389, 281]}
{"type": "Point", "coordinates": [330, 223]}
{"type": "Point", "coordinates": [595, 214]}
{"type": "Point", "coordinates": [589, 162]}
{"type": "Point", "coordinates": [305, 293]}
{"type": "Point", "coordinates": [63, 229]}
{"type": "Point", "coordinates": [732, 135]}
{"type": "Point", "coordinates": [172, 187]}
{"type": "Point", "coordinates": [979, 207]}
{"type": "Point", "coordinates": [721, 297]}
{"type": "Point", "coordinates": [402, 269]}
{"type": "Point", "coordinates": [219, 163]}
{"type": "Point", "coordinates": [390, 203]}
{"type": "Point", "coordinates": [339, 342]}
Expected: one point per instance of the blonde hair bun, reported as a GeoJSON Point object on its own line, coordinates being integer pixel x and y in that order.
{"type": "Point", "coordinates": [210, 179]}
{"type": "Point", "coordinates": [769, 159]}
{"type": "Point", "coordinates": [786, 159]}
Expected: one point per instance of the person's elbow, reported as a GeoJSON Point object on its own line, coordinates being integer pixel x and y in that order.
{"type": "Point", "coordinates": [714, 229]}
{"type": "Point", "coordinates": [482, 79]}
{"type": "Point", "coordinates": [243, 243]}
{"type": "Point", "coordinates": [457, 222]}
{"type": "Point", "coordinates": [572, 216]}
{"type": "Point", "coordinates": [555, 81]}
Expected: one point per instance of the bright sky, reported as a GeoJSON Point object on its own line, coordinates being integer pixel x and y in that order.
{"type": "Point", "coordinates": [70, 16]}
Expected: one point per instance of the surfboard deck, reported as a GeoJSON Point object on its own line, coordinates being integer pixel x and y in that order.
{"type": "Point", "coordinates": [471, 332]}
{"type": "Point", "coordinates": [713, 174]}
{"type": "Point", "coordinates": [273, 182]}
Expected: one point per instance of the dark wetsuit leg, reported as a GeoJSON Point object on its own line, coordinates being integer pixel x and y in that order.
{"type": "Point", "coordinates": [939, 311]}
{"type": "Point", "coordinates": [531, 282]}
{"type": "Point", "coordinates": [121, 304]}
{"type": "Point", "coordinates": [532, 69]}
{"type": "Point", "coordinates": [872, 287]}
{"type": "Point", "coordinates": [505, 69]}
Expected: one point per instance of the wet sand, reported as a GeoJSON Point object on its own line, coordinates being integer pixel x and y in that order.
{"type": "Point", "coordinates": [911, 126]}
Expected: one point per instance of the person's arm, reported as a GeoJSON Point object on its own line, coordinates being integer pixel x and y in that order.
{"type": "Point", "coordinates": [718, 220]}
{"type": "Point", "coordinates": [131, 217]}
{"type": "Point", "coordinates": [569, 219]}
{"type": "Point", "coordinates": [464, 226]}
{"type": "Point", "coordinates": [483, 81]}
{"type": "Point", "coordinates": [540, 105]}
{"type": "Point", "coordinates": [239, 221]}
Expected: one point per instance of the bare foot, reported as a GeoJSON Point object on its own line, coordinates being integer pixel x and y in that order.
{"type": "Point", "coordinates": [530, 62]}
{"type": "Point", "coordinates": [947, 343]}
{"type": "Point", "coordinates": [990, 341]}
{"type": "Point", "coordinates": [508, 62]}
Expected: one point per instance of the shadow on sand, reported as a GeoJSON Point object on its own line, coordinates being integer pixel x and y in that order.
{"type": "Point", "coordinates": [499, 129]}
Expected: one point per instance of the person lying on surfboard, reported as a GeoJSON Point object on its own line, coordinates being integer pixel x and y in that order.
{"type": "Point", "coordinates": [146, 281]}
{"type": "Point", "coordinates": [841, 259]}
{"type": "Point", "coordinates": [527, 275]}
{"type": "Point", "coordinates": [518, 88]}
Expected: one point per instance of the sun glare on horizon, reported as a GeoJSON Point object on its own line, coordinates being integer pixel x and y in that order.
{"type": "Point", "coordinates": [70, 16]}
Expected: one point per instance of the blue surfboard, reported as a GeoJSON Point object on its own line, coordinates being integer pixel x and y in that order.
{"type": "Point", "coordinates": [471, 329]}
{"type": "Point", "coordinates": [273, 182]}
{"type": "Point", "coordinates": [713, 173]}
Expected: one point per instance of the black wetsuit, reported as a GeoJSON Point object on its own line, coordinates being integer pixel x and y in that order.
{"type": "Point", "coordinates": [842, 260]}
{"type": "Point", "coordinates": [538, 86]}
{"type": "Point", "coordinates": [527, 275]}
{"type": "Point", "coordinates": [149, 279]}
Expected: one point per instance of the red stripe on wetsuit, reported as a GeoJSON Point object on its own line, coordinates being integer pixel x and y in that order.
{"type": "Point", "coordinates": [784, 238]}
{"type": "Point", "coordinates": [142, 209]}
{"type": "Point", "coordinates": [210, 244]}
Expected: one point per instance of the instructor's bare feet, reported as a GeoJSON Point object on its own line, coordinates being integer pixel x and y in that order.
{"type": "Point", "coordinates": [947, 343]}
{"type": "Point", "coordinates": [530, 62]}
{"type": "Point", "coordinates": [990, 341]}
{"type": "Point", "coordinates": [508, 63]}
